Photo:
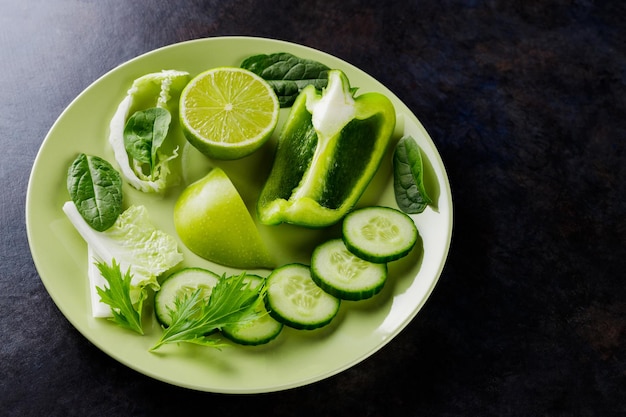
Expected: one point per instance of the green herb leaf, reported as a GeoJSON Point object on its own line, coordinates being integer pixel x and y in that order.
{"type": "Point", "coordinates": [408, 177]}
{"type": "Point", "coordinates": [287, 74]}
{"type": "Point", "coordinates": [117, 296]}
{"type": "Point", "coordinates": [144, 133]}
{"type": "Point", "coordinates": [95, 187]}
{"type": "Point", "coordinates": [193, 317]}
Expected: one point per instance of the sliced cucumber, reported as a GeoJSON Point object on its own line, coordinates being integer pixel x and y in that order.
{"type": "Point", "coordinates": [184, 281]}
{"type": "Point", "coordinates": [379, 234]}
{"type": "Point", "coordinates": [256, 331]}
{"type": "Point", "coordinates": [295, 300]}
{"type": "Point", "coordinates": [341, 273]}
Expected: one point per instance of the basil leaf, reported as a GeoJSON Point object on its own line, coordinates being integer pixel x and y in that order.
{"type": "Point", "coordinates": [287, 74]}
{"type": "Point", "coordinates": [144, 134]}
{"type": "Point", "coordinates": [95, 187]}
{"type": "Point", "coordinates": [408, 177]}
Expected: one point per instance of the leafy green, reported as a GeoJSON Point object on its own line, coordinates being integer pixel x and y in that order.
{"type": "Point", "coordinates": [144, 133]}
{"type": "Point", "coordinates": [118, 296]}
{"type": "Point", "coordinates": [231, 300]}
{"type": "Point", "coordinates": [287, 74]}
{"type": "Point", "coordinates": [95, 187]}
{"type": "Point", "coordinates": [134, 242]}
{"type": "Point", "coordinates": [143, 170]}
{"type": "Point", "coordinates": [408, 176]}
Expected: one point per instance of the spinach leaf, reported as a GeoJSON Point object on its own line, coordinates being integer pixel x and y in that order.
{"type": "Point", "coordinates": [144, 134]}
{"type": "Point", "coordinates": [408, 177]}
{"type": "Point", "coordinates": [95, 187]}
{"type": "Point", "coordinates": [287, 74]}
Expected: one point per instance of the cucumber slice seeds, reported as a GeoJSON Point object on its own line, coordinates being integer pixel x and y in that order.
{"type": "Point", "coordinates": [259, 330]}
{"type": "Point", "coordinates": [379, 234]}
{"type": "Point", "coordinates": [294, 299]}
{"type": "Point", "coordinates": [184, 281]}
{"type": "Point", "coordinates": [343, 274]}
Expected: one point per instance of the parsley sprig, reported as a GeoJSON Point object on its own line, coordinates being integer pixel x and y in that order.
{"type": "Point", "coordinates": [231, 300]}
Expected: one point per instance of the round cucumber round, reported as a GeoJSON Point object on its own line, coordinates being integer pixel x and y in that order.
{"type": "Point", "coordinates": [341, 273]}
{"type": "Point", "coordinates": [256, 331]}
{"type": "Point", "coordinates": [293, 298]}
{"type": "Point", "coordinates": [182, 282]}
{"type": "Point", "coordinates": [379, 234]}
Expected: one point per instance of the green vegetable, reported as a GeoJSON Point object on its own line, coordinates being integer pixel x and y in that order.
{"type": "Point", "coordinates": [118, 296]}
{"type": "Point", "coordinates": [192, 317]}
{"type": "Point", "coordinates": [408, 177]}
{"type": "Point", "coordinates": [144, 134]}
{"type": "Point", "coordinates": [258, 331]}
{"type": "Point", "coordinates": [379, 234]}
{"type": "Point", "coordinates": [134, 242]}
{"type": "Point", "coordinates": [339, 272]}
{"type": "Point", "coordinates": [294, 299]}
{"type": "Point", "coordinates": [329, 149]}
{"type": "Point", "coordinates": [155, 90]}
{"type": "Point", "coordinates": [287, 74]}
{"type": "Point", "coordinates": [184, 280]}
{"type": "Point", "coordinates": [95, 187]}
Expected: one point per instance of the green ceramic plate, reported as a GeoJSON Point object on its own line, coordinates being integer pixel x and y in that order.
{"type": "Point", "coordinates": [295, 358]}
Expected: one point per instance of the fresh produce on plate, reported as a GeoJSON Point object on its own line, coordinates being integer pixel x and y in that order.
{"type": "Point", "coordinates": [329, 148]}
{"type": "Point", "coordinates": [213, 222]}
{"type": "Point", "coordinates": [328, 151]}
{"type": "Point", "coordinates": [260, 329]}
{"type": "Point", "coordinates": [379, 234]}
{"type": "Point", "coordinates": [287, 74]}
{"type": "Point", "coordinates": [228, 112]}
{"type": "Point", "coordinates": [143, 133]}
{"type": "Point", "coordinates": [341, 273]}
{"type": "Point", "coordinates": [408, 177]}
{"type": "Point", "coordinates": [95, 187]}
{"type": "Point", "coordinates": [134, 243]}
{"type": "Point", "coordinates": [295, 300]}
{"type": "Point", "coordinates": [232, 300]}
{"type": "Point", "coordinates": [184, 281]}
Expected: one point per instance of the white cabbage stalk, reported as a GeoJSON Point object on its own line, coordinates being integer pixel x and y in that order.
{"type": "Point", "coordinates": [160, 89]}
{"type": "Point", "coordinates": [134, 243]}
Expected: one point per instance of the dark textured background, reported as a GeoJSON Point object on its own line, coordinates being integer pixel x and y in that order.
{"type": "Point", "coordinates": [525, 101]}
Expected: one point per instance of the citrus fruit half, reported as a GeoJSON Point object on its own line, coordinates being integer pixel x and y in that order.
{"type": "Point", "coordinates": [228, 112]}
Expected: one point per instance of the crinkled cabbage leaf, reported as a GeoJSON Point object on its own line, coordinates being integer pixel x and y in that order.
{"type": "Point", "coordinates": [134, 242]}
{"type": "Point", "coordinates": [160, 89]}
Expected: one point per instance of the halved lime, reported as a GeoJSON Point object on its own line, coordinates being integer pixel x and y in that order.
{"type": "Point", "coordinates": [228, 112]}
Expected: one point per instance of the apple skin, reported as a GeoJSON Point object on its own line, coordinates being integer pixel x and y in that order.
{"type": "Point", "coordinates": [213, 222]}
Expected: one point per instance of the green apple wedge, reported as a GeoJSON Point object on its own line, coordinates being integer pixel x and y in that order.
{"type": "Point", "coordinates": [212, 220]}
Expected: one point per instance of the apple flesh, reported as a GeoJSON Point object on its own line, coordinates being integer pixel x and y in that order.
{"type": "Point", "coordinates": [213, 222]}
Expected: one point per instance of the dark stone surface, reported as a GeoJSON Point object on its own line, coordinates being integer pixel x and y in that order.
{"type": "Point", "coordinates": [526, 103]}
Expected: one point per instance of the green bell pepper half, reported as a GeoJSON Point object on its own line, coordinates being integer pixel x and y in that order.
{"type": "Point", "coordinates": [329, 149]}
